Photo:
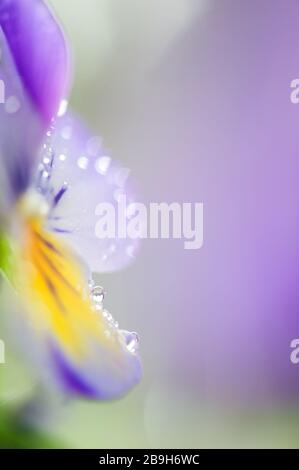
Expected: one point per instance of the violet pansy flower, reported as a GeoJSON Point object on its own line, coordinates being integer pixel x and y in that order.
{"type": "Point", "coordinates": [53, 173]}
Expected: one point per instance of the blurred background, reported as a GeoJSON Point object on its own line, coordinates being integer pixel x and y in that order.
{"type": "Point", "coordinates": [194, 97]}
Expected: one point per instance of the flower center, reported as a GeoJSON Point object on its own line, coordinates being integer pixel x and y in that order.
{"type": "Point", "coordinates": [33, 205]}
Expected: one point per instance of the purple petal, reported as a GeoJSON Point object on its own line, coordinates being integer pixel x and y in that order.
{"type": "Point", "coordinates": [84, 175]}
{"type": "Point", "coordinates": [99, 377]}
{"type": "Point", "coordinates": [21, 130]}
{"type": "Point", "coordinates": [33, 78]}
{"type": "Point", "coordinates": [39, 51]}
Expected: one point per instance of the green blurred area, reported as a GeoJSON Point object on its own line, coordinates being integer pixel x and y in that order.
{"type": "Point", "coordinates": [13, 436]}
{"type": "Point", "coordinates": [6, 260]}
{"type": "Point", "coordinates": [149, 417]}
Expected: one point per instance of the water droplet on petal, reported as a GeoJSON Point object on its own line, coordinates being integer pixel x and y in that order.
{"type": "Point", "coordinates": [46, 160]}
{"type": "Point", "coordinates": [45, 174]}
{"type": "Point", "coordinates": [82, 162]}
{"type": "Point", "coordinates": [62, 108]}
{"type": "Point", "coordinates": [131, 340]}
{"type": "Point", "coordinates": [102, 164]}
{"type": "Point", "coordinates": [109, 319]}
{"type": "Point", "coordinates": [97, 295]}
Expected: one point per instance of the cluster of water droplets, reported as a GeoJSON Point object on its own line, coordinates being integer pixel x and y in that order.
{"type": "Point", "coordinates": [43, 182]}
{"type": "Point", "coordinates": [97, 295]}
{"type": "Point", "coordinates": [46, 165]}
